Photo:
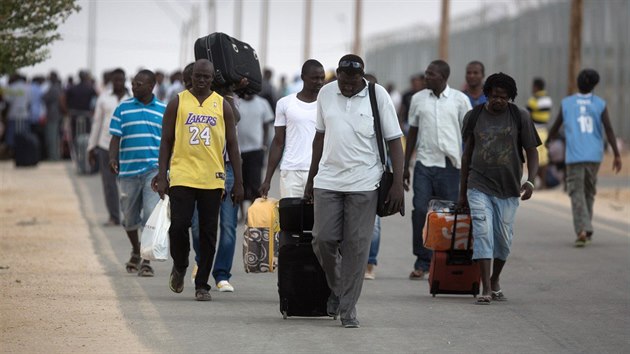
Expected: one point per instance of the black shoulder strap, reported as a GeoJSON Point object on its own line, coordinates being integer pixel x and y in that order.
{"type": "Point", "coordinates": [472, 120]}
{"type": "Point", "coordinates": [377, 121]}
{"type": "Point", "coordinates": [516, 116]}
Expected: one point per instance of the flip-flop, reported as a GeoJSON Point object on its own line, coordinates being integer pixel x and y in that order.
{"type": "Point", "coordinates": [133, 263]}
{"type": "Point", "coordinates": [484, 300]}
{"type": "Point", "coordinates": [145, 270]}
{"type": "Point", "coordinates": [498, 296]}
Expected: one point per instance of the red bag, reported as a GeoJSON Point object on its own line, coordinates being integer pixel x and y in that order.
{"type": "Point", "coordinates": [438, 227]}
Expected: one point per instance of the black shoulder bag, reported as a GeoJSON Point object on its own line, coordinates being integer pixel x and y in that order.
{"type": "Point", "coordinates": [382, 209]}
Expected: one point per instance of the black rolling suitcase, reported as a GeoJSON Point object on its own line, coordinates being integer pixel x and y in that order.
{"type": "Point", "coordinates": [232, 60]}
{"type": "Point", "coordinates": [26, 147]}
{"type": "Point", "coordinates": [302, 283]}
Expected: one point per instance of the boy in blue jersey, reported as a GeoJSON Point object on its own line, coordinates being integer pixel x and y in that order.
{"type": "Point", "coordinates": [136, 129]}
{"type": "Point", "coordinates": [585, 118]}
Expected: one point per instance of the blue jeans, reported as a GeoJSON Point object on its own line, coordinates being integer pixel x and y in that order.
{"type": "Point", "coordinates": [376, 241]}
{"type": "Point", "coordinates": [228, 216]}
{"type": "Point", "coordinates": [429, 183]}
{"type": "Point", "coordinates": [493, 220]}
{"type": "Point", "coordinates": [137, 199]}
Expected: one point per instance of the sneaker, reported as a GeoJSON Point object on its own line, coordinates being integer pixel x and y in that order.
{"type": "Point", "coordinates": [202, 295]}
{"type": "Point", "coordinates": [417, 274]}
{"type": "Point", "coordinates": [176, 281]}
{"type": "Point", "coordinates": [581, 239]}
{"type": "Point", "coordinates": [332, 305]}
{"type": "Point", "coordinates": [225, 287]}
{"type": "Point", "coordinates": [369, 272]}
{"type": "Point", "coordinates": [350, 323]}
{"type": "Point", "coordinates": [194, 274]}
{"type": "Point", "coordinates": [589, 235]}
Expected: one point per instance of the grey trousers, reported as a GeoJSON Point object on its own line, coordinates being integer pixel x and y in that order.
{"type": "Point", "coordinates": [581, 185]}
{"type": "Point", "coordinates": [342, 234]}
{"type": "Point", "coordinates": [110, 185]}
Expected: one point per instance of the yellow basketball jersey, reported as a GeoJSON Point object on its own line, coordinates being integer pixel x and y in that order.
{"type": "Point", "coordinates": [197, 159]}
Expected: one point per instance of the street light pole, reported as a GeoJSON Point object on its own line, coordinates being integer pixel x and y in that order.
{"type": "Point", "coordinates": [308, 14]}
{"type": "Point", "coordinates": [264, 33]}
{"type": "Point", "coordinates": [575, 44]}
{"type": "Point", "coordinates": [91, 45]}
{"type": "Point", "coordinates": [443, 50]}
{"type": "Point", "coordinates": [357, 27]}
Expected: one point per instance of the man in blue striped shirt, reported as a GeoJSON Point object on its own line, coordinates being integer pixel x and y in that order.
{"type": "Point", "coordinates": [136, 129]}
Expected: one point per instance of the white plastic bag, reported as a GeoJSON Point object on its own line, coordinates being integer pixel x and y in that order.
{"type": "Point", "coordinates": [154, 244]}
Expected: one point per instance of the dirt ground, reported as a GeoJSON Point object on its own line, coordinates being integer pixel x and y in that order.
{"type": "Point", "coordinates": [56, 296]}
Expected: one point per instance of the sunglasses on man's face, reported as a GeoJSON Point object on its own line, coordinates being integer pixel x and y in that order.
{"type": "Point", "coordinates": [350, 64]}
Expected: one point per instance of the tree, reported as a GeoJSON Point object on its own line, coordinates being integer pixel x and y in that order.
{"type": "Point", "coordinates": [27, 27]}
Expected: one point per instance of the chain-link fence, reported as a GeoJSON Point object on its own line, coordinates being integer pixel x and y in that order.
{"type": "Point", "coordinates": [532, 43]}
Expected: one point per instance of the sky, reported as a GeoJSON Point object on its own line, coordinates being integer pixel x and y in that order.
{"type": "Point", "coordinates": [135, 34]}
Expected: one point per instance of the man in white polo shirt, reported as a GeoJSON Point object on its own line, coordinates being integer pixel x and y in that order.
{"type": "Point", "coordinates": [343, 179]}
{"type": "Point", "coordinates": [295, 129]}
{"type": "Point", "coordinates": [436, 117]}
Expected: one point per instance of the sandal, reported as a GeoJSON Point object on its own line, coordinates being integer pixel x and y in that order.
{"type": "Point", "coordinates": [145, 270]}
{"type": "Point", "coordinates": [484, 300]}
{"type": "Point", "coordinates": [498, 296]}
{"type": "Point", "coordinates": [133, 263]}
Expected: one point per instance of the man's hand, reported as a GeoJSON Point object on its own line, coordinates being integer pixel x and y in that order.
{"type": "Point", "coordinates": [113, 166]}
{"type": "Point", "coordinates": [406, 178]}
{"type": "Point", "coordinates": [526, 190]}
{"type": "Point", "coordinates": [396, 199]}
{"type": "Point", "coordinates": [92, 157]}
{"type": "Point", "coordinates": [462, 203]}
{"type": "Point", "coordinates": [238, 194]}
{"type": "Point", "coordinates": [617, 164]}
{"type": "Point", "coordinates": [264, 189]}
{"type": "Point", "coordinates": [160, 184]}
{"type": "Point", "coordinates": [308, 192]}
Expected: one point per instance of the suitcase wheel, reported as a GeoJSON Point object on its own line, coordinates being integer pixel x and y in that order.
{"type": "Point", "coordinates": [434, 287]}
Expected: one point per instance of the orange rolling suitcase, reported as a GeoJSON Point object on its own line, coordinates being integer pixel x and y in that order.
{"type": "Point", "coordinates": [453, 271]}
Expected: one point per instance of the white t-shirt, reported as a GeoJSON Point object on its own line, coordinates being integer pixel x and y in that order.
{"type": "Point", "coordinates": [106, 103]}
{"type": "Point", "coordinates": [439, 121]}
{"type": "Point", "coordinates": [350, 160]}
{"type": "Point", "coordinates": [255, 113]}
{"type": "Point", "coordinates": [299, 119]}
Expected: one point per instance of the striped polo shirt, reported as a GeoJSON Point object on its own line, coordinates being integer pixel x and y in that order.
{"type": "Point", "coordinates": [139, 127]}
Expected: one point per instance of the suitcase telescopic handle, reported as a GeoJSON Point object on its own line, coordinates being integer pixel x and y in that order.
{"type": "Point", "coordinates": [456, 212]}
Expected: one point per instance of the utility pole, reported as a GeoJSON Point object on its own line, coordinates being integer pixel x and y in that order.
{"type": "Point", "coordinates": [238, 18]}
{"type": "Point", "coordinates": [443, 50]}
{"type": "Point", "coordinates": [212, 16]}
{"type": "Point", "coordinates": [308, 17]}
{"type": "Point", "coordinates": [264, 33]}
{"type": "Point", "coordinates": [357, 27]}
{"type": "Point", "coordinates": [91, 45]}
{"type": "Point", "coordinates": [575, 44]}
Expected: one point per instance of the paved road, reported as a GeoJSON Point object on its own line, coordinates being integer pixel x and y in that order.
{"type": "Point", "coordinates": [561, 299]}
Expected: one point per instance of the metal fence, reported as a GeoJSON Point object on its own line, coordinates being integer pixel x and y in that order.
{"type": "Point", "coordinates": [532, 43]}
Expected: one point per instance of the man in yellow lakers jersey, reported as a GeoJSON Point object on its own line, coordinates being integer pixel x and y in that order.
{"type": "Point", "coordinates": [198, 127]}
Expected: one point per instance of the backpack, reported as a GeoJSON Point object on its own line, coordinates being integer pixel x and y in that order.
{"type": "Point", "coordinates": [514, 113]}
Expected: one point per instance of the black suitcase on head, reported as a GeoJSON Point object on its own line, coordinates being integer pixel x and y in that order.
{"type": "Point", "coordinates": [232, 60]}
{"type": "Point", "coordinates": [302, 284]}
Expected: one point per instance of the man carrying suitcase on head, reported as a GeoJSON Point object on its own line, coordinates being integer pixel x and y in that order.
{"type": "Point", "coordinates": [198, 127]}
{"type": "Point", "coordinates": [495, 135]}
